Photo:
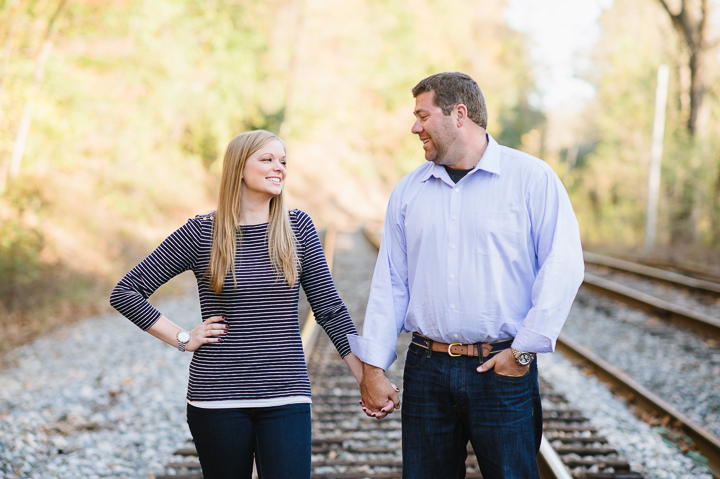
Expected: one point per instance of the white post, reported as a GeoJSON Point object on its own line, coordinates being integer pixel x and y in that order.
{"type": "Point", "coordinates": [656, 156]}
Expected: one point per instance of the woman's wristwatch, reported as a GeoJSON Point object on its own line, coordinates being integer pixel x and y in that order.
{"type": "Point", "coordinates": [522, 358]}
{"type": "Point", "coordinates": [182, 338]}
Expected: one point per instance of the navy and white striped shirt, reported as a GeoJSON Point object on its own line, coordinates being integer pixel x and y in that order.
{"type": "Point", "coordinates": [261, 357]}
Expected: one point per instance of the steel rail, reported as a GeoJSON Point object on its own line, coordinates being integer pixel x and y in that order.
{"type": "Point", "coordinates": [622, 384]}
{"type": "Point", "coordinates": [667, 276]}
{"type": "Point", "coordinates": [698, 321]}
{"type": "Point", "coordinates": [550, 464]}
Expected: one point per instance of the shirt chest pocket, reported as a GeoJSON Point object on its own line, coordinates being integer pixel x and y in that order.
{"type": "Point", "coordinates": [499, 234]}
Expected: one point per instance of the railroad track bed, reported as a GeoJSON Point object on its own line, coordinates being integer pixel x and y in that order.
{"type": "Point", "coordinates": [584, 452]}
{"type": "Point", "coordinates": [675, 363]}
{"type": "Point", "coordinates": [75, 405]}
{"type": "Point", "coordinates": [635, 441]}
{"type": "Point", "coordinates": [348, 445]}
{"type": "Point", "coordinates": [706, 302]}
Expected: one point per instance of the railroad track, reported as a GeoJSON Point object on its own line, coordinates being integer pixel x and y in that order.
{"type": "Point", "coordinates": [700, 321]}
{"type": "Point", "coordinates": [571, 447]}
{"type": "Point", "coordinates": [705, 442]}
{"type": "Point", "coordinates": [348, 445]}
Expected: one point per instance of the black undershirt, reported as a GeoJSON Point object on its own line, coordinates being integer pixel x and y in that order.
{"type": "Point", "coordinates": [457, 175]}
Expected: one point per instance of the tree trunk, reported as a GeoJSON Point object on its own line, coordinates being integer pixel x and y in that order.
{"type": "Point", "coordinates": [691, 25]}
{"type": "Point", "coordinates": [38, 74]}
{"type": "Point", "coordinates": [26, 119]}
{"type": "Point", "coordinates": [7, 51]}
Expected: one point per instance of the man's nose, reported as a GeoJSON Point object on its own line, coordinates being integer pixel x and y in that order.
{"type": "Point", "coordinates": [416, 128]}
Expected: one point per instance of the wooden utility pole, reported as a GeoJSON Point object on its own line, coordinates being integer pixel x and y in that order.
{"type": "Point", "coordinates": [656, 156]}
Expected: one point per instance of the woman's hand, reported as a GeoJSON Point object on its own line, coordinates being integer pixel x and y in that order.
{"type": "Point", "coordinates": [209, 331]}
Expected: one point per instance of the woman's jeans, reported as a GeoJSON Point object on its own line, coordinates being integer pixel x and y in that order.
{"type": "Point", "coordinates": [446, 402]}
{"type": "Point", "coordinates": [227, 439]}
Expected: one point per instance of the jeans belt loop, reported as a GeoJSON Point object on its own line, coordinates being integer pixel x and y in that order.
{"type": "Point", "coordinates": [430, 344]}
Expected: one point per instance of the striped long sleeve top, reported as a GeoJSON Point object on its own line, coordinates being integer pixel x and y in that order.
{"type": "Point", "coordinates": [261, 358]}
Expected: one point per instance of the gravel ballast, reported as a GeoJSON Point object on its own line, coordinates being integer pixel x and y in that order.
{"type": "Point", "coordinates": [678, 365]}
{"type": "Point", "coordinates": [99, 398]}
{"type": "Point", "coordinates": [103, 399]}
{"type": "Point", "coordinates": [644, 449]}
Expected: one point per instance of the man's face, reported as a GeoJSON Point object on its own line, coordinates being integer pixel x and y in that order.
{"type": "Point", "coordinates": [435, 130]}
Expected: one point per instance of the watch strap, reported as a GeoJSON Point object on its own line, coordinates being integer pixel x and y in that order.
{"type": "Point", "coordinates": [181, 344]}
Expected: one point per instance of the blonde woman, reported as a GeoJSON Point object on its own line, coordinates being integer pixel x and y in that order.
{"type": "Point", "coordinates": [249, 392]}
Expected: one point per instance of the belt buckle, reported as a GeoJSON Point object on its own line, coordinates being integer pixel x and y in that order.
{"type": "Point", "coordinates": [450, 350]}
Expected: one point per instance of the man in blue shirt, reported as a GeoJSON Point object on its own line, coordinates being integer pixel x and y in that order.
{"type": "Point", "coordinates": [480, 260]}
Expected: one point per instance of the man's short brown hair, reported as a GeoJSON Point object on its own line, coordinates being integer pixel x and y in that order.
{"type": "Point", "coordinates": [453, 88]}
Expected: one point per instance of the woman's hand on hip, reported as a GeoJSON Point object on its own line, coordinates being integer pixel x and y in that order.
{"type": "Point", "coordinates": [209, 331]}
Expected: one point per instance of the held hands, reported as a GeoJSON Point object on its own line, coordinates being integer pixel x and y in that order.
{"type": "Point", "coordinates": [209, 331]}
{"type": "Point", "coordinates": [504, 364]}
{"type": "Point", "coordinates": [379, 396]}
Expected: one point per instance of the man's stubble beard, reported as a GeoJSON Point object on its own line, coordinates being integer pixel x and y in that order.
{"type": "Point", "coordinates": [442, 142]}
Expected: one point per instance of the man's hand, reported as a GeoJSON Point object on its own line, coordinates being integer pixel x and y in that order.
{"type": "Point", "coordinates": [504, 364]}
{"type": "Point", "coordinates": [379, 397]}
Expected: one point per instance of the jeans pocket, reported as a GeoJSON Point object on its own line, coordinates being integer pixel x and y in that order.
{"type": "Point", "coordinates": [415, 357]}
{"type": "Point", "coordinates": [511, 378]}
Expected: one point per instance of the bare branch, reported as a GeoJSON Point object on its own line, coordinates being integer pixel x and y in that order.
{"type": "Point", "coordinates": [53, 19]}
{"type": "Point", "coordinates": [702, 26]}
{"type": "Point", "coordinates": [675, 17]}
{"type": "Point", "coordinates": [667, 8]}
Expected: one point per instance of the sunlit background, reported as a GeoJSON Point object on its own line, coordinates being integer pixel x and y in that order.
{"type": "Point", "coordinates": [114, 116]}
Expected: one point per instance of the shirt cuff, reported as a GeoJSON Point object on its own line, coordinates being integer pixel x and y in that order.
{"type": "Point", "coordinates": [371, 352]}
{"type": "Point", "coordinates": [532, 342]}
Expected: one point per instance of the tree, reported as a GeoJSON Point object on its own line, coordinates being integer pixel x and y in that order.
{"type": "Point", "coordinates": [38, 74]}
{"type": "Point", "coordinates": [691, 24]}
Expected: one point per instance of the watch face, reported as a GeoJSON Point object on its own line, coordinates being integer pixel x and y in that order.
{"type": "Point", "coordinates": [524, 359]}
{"type": "Point", "coordinates": [183, 336]}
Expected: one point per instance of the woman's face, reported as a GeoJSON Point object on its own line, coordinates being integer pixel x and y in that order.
{"type": "Point", "coordinates": [264, 173]}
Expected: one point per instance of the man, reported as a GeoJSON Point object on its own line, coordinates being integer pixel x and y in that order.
{"type": "Point", "coordinates": [480, 260]}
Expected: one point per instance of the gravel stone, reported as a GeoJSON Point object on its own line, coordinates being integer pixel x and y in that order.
{"type": "Point", "coordinates": [676, 364]}
{"type": "Point", "coordinates": [101, 398]}
{"type": "Point", "coordinates": [98, 398]}
{"type": "Point", "coordinates": [644, 449]}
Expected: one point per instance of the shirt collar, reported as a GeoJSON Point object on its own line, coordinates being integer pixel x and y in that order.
{"type": "Point", "coordinates": [489, 162]}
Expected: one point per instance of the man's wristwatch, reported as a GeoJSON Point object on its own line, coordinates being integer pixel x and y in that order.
{"type": "Point", "coordinates": [182, 338]}
{"type": "Point", "coordinates": [522, 358]}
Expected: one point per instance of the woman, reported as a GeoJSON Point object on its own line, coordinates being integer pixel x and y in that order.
{"type": "Point", "coordinates": [249, 392]}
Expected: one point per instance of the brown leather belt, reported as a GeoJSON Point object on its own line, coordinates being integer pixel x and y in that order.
{"type": "Point", "coordinates": [459, 349]}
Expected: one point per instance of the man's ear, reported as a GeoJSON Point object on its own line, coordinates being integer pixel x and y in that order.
{"type": "Point", "coordinates": [460, 111]}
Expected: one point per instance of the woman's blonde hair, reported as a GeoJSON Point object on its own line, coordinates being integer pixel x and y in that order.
{"type": "Point", "coordinates": [281, 239]}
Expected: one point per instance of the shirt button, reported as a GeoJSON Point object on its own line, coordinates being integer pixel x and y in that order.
{"type": "Point", "coordinates": [457, 190]}
{"type": "Point", "coordinates": [454, 217]}
{"type": "Point", "coordinates": [452, 306]}
{"type": "Point", "coordinates": [452, 276]}
{"type": "Point", "coordinates": [455, 336]}
{"type": "Point", "coordinates": [452, 246]}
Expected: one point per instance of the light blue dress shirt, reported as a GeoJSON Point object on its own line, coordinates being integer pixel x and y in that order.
{"type": "Point", "coordinates": [493, 257]}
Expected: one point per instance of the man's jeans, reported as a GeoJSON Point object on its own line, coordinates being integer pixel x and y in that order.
{"type": "Point", "coordinates": [226, 440]}
{"type": "Point", "coordinates": [446, 402]}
